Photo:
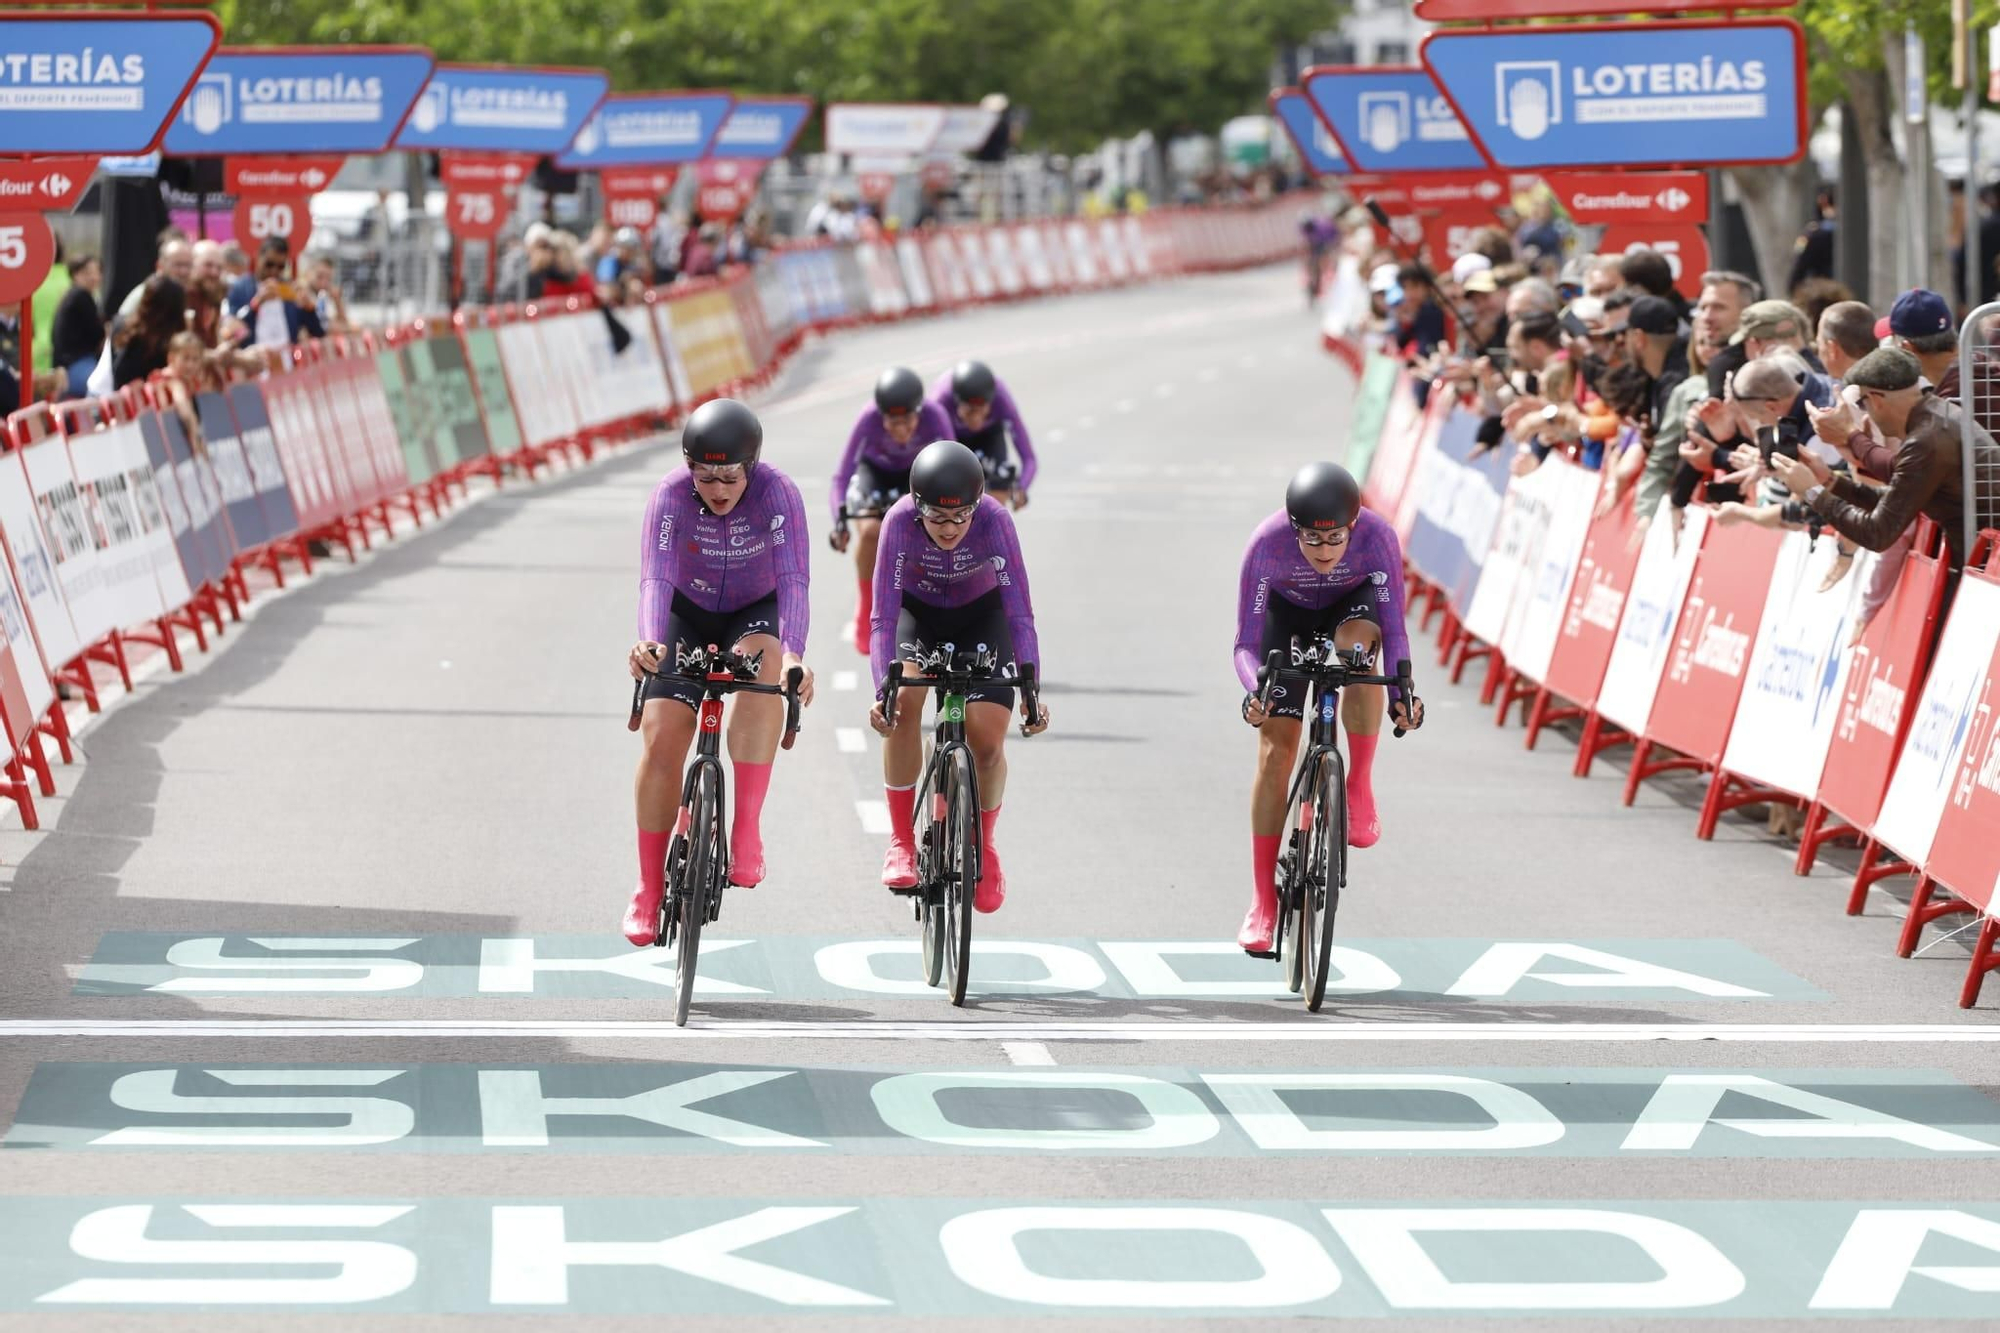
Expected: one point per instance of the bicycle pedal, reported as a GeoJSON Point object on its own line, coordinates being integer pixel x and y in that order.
{"type": "Point", "coordinates": [1267, 954]}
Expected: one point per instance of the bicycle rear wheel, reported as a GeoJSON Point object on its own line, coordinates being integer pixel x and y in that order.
{"type": "Point", "coordinates": [1324, 874]}
{"type": "Point", "coordinates": [698, 888]}
{"type": "Point", "coordinates": [961, 866]}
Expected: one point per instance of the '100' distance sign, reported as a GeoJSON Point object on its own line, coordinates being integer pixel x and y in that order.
{"type": "Point", "coordinates": [96, 83]}
{"type": "Point", "coordinates": [1633, 95]}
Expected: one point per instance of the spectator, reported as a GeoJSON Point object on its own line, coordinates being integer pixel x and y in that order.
{"type": "Point", "coordinates": [328, 301]}
{"type": "Point", "coordinates": [175, 260]}
{"type": "Point", "coordinates": [1493, 243]}
{"type": "Point", "coordinates": [1601, 276]}
{"type": "Point", "coordinates": [55, 285]}
{"type": "Point", "coordinates": [703, 256]}
{"type": "Point", "coordinates": [77, 336]}
{"type": "Point", "coordinates": [1926, 477]}
{"type": "Point", "coordinates": [1812, 254]}
{"type": "Point", "coordinates": [208, 292]}
{"type": "Point", "coordinates": [1769, 325]}
{"type": "Point", "coordinates": [276, 311]}
{"type": "Point", "coordinates": [10, 335]}
{"type": "Point", "coordinates": [834, 218]}
{"type": "Point", "coordinates": [1846, 334]}
{"type": "Point", "coordinates": [1921, 324]}
{"type": "Point", "coordinates": [141, 345]}
{"type": "Point", "coordinates": [1987, 225]}
{"type": "Point", "coordinates": [1424, 326]}
{"type": "Point", "coordinates": [1653, 344]}
{"type": "Point", "coordinates": [1725, 295]}
{"type": "Point", "coordinates": [235, 263]}
{"type": "Point", "coordinates": [1663, 455]}
{"type": "Point", "coordinates": [1540, 239]}
{"type": "Point", "coordinates": [1650, 272]}
{"type": "Point", "coordinates": [617, 261]}
{"type": "Point", "coordinates": [566, 275]}
{"type": "Point", "coordinates": [1531, 296]}
{"type": "Point", "coordinates": [1814, 295]}
{"type": "Point", "coordinates": [1487, 305]}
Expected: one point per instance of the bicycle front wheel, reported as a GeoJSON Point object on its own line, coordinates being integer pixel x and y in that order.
{"type": "Point", "coordinates": [1324, 874]}
{"type": "Point", "coordinates": [961, 866]}
{"type": "Point", "coordinates": [698, 887]}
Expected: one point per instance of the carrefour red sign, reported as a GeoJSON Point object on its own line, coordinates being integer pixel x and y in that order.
{"type": "Point", "coordinates": [1626, 196]}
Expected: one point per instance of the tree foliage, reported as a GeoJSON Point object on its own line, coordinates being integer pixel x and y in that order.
{"type": "Point", "coordinates": [1083, 69]}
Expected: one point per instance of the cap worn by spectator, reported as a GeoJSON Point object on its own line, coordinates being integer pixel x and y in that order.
{"type": "Point", "coordinates": [1481, 280]}
{"type": "Point", "coordinates": [1652, 314]}
{"type": "Point", "coordinates": [537, 233]}
{"type": "Point", "coordinates": [1771, 319]}
{"type": "Point", "coordinates": [1468, 264]}
{"type": "Point", "coordinates": [1383, 278]}
{"type": "Point", "coordinates": [1917, 314]}
{"type": "Point", "coordinates": [1888, 369]}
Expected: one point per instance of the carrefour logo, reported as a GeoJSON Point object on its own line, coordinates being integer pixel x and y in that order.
{"type": "Point", "coordinates": [1673, 199]}
{"type": "Point", "coordinates": [1532, 95]}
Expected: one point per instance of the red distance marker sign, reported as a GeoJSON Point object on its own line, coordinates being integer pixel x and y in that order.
{"type": "Point", "coordinates": [287, 178]}
{"type": "Point", "coordinates": [727, 187]}
{"type": "Point", "coordinates": [287, 217]}
{"type": "Point", "coordinates": [50, 183]}
{"type": "Point", "coordinates": [1661, 196]}
{"type": "Point", "coordinates": [477, 212]}
{"type": "Point", "coordinates": [485, 171]}
{"type": "Point", "coordinates": [27, 250]}
{"type": "Point", "coordinates": [632, 194]}
{"type": "Point", "coordinates": [1684, 246]}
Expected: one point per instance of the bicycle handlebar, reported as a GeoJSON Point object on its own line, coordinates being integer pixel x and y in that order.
{"type": "Point", "coordinates": [943, 672]}
{"type": "Point", "coordinates": [1338, 673]}
{"type": "Point", "coordinates": [742, 681]}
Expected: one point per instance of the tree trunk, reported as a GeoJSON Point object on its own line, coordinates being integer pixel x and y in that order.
{"type": "Point", "coordinates": [1871, 99]}
{"type": "Point", "coordinates": [1776, 204]}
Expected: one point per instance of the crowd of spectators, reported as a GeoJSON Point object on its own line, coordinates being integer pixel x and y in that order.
{"type": "Point", "coordinates": [617, 265]}
{"type": "Point", "coordinates": [1815, 412]}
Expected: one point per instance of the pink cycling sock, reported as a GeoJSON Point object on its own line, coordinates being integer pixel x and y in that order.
{"type": "Point", "coordinates": [653, 859]}
{"type": "Point", "coordinates": [1264, 867]}
{"type": "Point", "coordinates": [746, 837]}
{"type": "Point", "coordinates": [987, 819]}
{"type": "Point", "coordinates": [902, 812]}
{"type": "Point", "coordinates": [1364, 826]}
{"type": "Point", "coordinates": [866, 609]}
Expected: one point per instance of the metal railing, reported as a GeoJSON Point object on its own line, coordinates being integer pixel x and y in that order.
{"type": "Point", "coordinates": [1979, 391]}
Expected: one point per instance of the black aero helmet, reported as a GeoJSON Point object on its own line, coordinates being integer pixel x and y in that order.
{"type": "Point", "coordinates": [972, 381]}
{"type": "Point", "coordinates": [720, 432]}
{"type": "Point", "coordinates": [1323, 495]}
{"type": "Point", "coordinates": [947, 475]}
{"type": "Point", "coordinates": [899, 390]}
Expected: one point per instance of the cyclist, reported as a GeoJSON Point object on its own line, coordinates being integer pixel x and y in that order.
{"type": "Point", "coordinates": [1320, 564]}
{"type": "Point", "coordinates": [950, 572]}
{"type": "Point", "coordinates": [723, 562]}
{"type": "Point", "coordinates": [984, 419]}
{"type": "Point", "coordinates": [874, 472]}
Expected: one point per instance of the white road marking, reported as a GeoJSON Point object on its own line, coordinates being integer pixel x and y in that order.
{"type": "Point", "coordinates": [1208, 375]}
{"type": "Point", "coordinates": [1027, 1053]}
{"type": "Point", "coordinates": [850, 740]}
{"type": "Point", "coordinates": [1085, 423]}
{"type": "Point", "coordinates": [1246, 361]}
{"type": "Point", "coordinates": [1164, 390]}
{"type": "Point", "coordinates": [1204, 1030]}
{"type": "Point", "coordinates": [874, 816]}
{"type": "Point", "coordinates": [846, 680]}
{"type": "Point", "coordinates": [1124, 405]}
{"type": "Point", "coordinates": [1058, 435]}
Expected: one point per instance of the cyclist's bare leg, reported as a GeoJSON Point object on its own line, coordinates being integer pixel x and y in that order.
{"type": "Point", "coordinates": [902, 765]}
{"type": "Point", "coordinates": [1277, 744]}
{"type": "Point", "coordinates": [754, 723]}
{"type": "Point", "coordinates": [1361, 710]}
{"type": "Point", "coordinates": [867, 536]}
{"type": "Point", "coordinates": [667, 729]}
{"type": "Point", "coordinates": [986, 735]}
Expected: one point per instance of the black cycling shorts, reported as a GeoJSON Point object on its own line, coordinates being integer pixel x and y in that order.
{"type": "Point", "coordinates": [994, 446]}
{"type": "Point", "coordinates": [692, 626]}
{"type": "Point", "coordinates": [873, 489]}
{"type": "Point", "coordinates": [1283, 619]}
{"type": "Point", "coordinates": [981, 623]}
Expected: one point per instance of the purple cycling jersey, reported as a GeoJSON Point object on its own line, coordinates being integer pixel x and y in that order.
{"type": "Point", "coordinates": [1003, 411]}
{"type": "Point", "coordinates": [725, 562]}
{"type": "Point", "coordinates": [870, 440]}
{"type": "Point", "coordinates": [908, 561]}
{"type": "Point", "coordinates": [1273, 566]}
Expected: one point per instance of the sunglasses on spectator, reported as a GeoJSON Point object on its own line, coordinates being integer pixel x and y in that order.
{"type": "Point", "coordinates": [947, 518]}
{"type": "Point", "coordinates": [719, 476]}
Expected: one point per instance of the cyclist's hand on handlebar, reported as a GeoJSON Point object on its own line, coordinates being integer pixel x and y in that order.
{"type": "Point", "coordinates": [1407, 713]}
{"type": "Point", "coordinates": [805, 681]}
{"type": "Point", "coordinates": [1018, 498]}
{"type": "Point", "coordinates": [1255, 710]}
{"type": "Point", "coordinates": [1034, 726]}
{"type": "Point", "coordinates": [838, 539]}
{"type": "Point", "coordinates": [879, 720]}
{"type": "Point", "coordinates": [645, 658]}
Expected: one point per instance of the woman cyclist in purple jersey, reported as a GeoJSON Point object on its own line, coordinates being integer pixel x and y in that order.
{"type": "Point", "coordinates": [1320, 564]}
{"type": "Point", "coordinates": [874, 472]}
{"type": "Point", "coordinates": [723, 562]}
{"type": "Point", "coordinates": [950, 572]}
{"type": "Point", "coordinates": [984, 419]}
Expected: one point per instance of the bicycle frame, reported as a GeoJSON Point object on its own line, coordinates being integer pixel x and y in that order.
{"type": "Point", "coordinates": [947, 739]}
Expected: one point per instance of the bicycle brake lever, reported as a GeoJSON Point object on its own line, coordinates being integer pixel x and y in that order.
{"type": "Point", "coordinates": [638, 705]}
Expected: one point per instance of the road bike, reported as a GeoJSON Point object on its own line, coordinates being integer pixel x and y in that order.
{"type": "Point", "coordinates": [1312, 863]}
{"type": "Point", "coordinates": [947, 806]}
{"type": "Point", "coordinates": [698, 855]}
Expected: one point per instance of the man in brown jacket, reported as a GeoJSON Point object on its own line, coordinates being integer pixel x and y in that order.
{"type": "Point", "coordinates": [1926, 477]}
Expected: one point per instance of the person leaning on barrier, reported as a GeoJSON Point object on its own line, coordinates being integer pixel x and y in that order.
{"type": "Point", "coordinates": [1926, 478]}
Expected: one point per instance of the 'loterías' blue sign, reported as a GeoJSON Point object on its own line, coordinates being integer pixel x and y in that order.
{"type": "Point", "coordinates": [1635, 95]}
{"type": "Point", "coordinates": [648, 130]}
{"type": "Point", "coordinates": [1389, 120]}
{"type": "Point", "coordinates": [96, 83]}
{"type": "Point", "coordinates": [498, 110]}
{"type": "Point", "coordinates": [289, 101]}
{"type": "Point", "coordinates": [1321, 154]}
{"type": "Point", "coordinates": [760, 129]}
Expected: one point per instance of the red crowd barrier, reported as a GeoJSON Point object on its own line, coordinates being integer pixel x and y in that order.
{"type": "Point", "coordinates": [1717, 650]}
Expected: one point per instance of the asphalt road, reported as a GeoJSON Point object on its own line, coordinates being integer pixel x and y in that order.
{"type": "Point", "coordinates": [312, 1000]}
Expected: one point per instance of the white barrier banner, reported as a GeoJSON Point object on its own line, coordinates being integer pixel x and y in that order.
{"type": "Point", "coordinates": [124, 561]}
{"type": "Point", "coordinates": [1034, 260]}
{"type": "Point", "coordinates": [544, 416]}
{"type": "Point", "coordinates": [949, 267]}
{"type": "Point", "coordinates": [916, 277]}
{"type": "Point", "coordinates": [155, 521]}
{"type": "Point", "coordinates": [36, 687]}
{"type": "Point", "coordinates": [1518, 536]}
{"type": "Point", "coordinates": [1798, 668]}
{"type": "Point", "coordinates": [1652, 614]}
{"type": "Point", "coordinates": [1082, 257]}
{"type": "Point", "coordinates": [1931, 753]}
{"type": "Point", "coordinates": [670, 352]}
{"type": "Point", "coordinates": [1139, 242]}
{"type": "Point", "coordinates": [60, 505]}
{"type": "Point", "coordinates": [1057, 250]}
{"type": "Point", "coordinates": [885, 287]}
{"type": "Point", "coordinates": [1006, 269]}
{"type": "Point", "coordinates": [972, 254]}
{"type": "Point", "coordinates": [1534, 621]}
{"type": "Point", "coordinates": [35, 559]}
{"type": "Point", "coordinates": [1115, 259]}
